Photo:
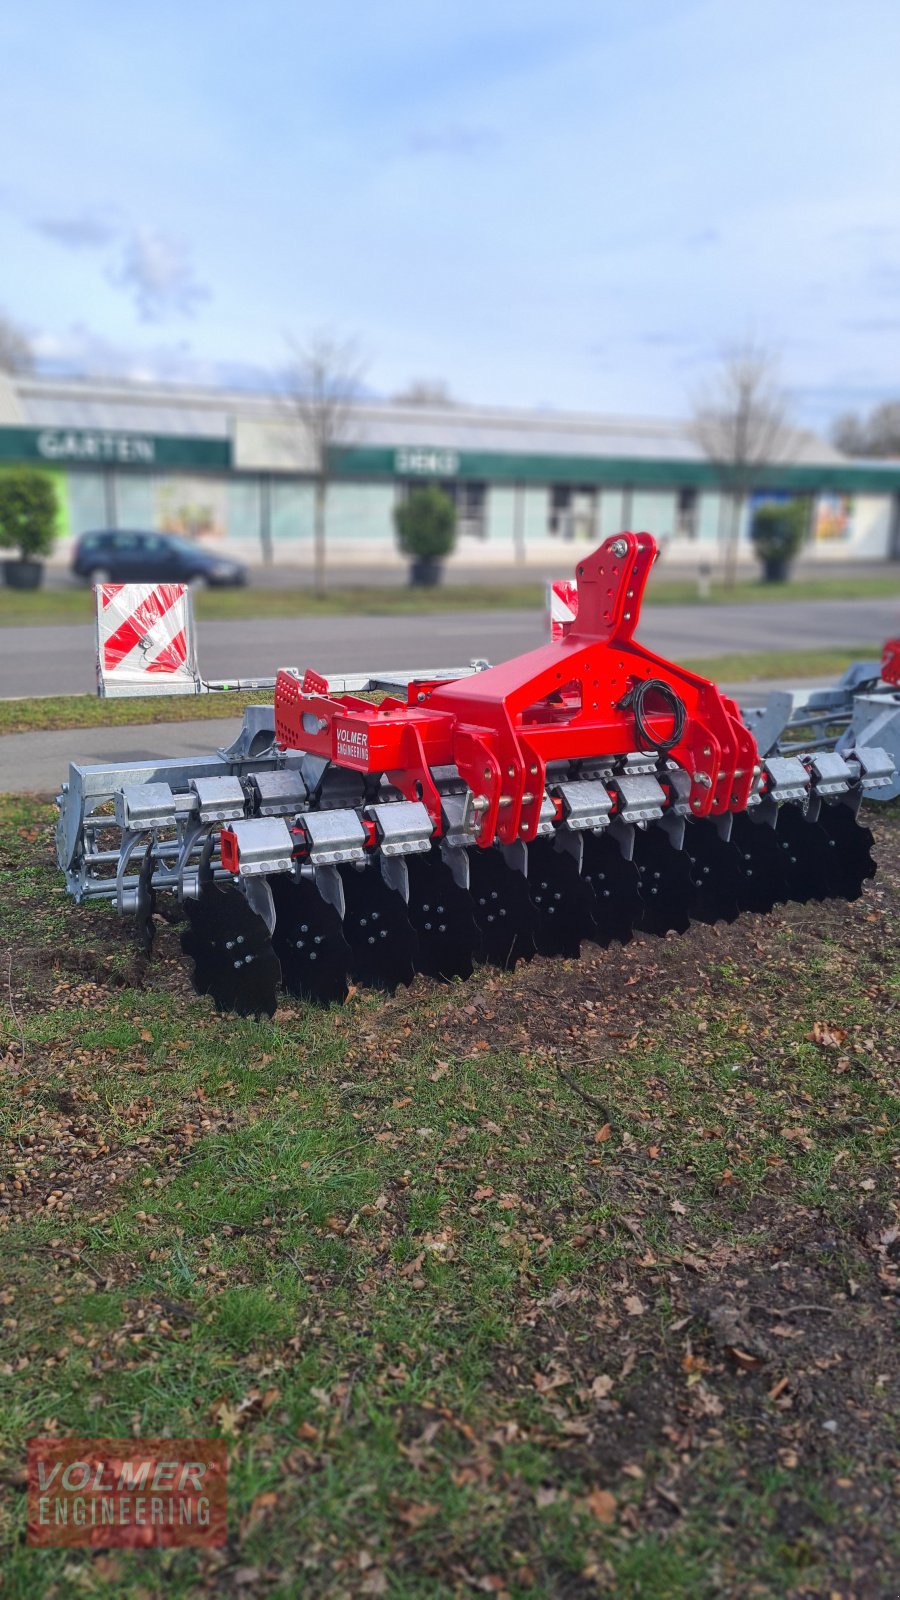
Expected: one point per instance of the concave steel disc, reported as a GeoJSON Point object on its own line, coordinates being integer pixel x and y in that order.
{"type": "Point", "coordinates": [378, 930]}
{"type": "Point", "coordinates": [850, 851]}
{"type": "Point", "coordinates": [443, 918]}
{"type": "Point", "coordinates": [717, 873]}
{"type": "Point", "coordinates": [562, 899]}
{"type": "Point", "coordinates": [613, 882]}
{"type": "Point", "coordinates": [502, 906]}
{"type": "Point", "coordinates": [233, 957]}
{"type": "Point", "coordinates": [146, 931]}
{"type": "Point", "coordinates": [807, 855]}
{"type": "Point", "coordinates": [309, 941]}
{"type": "Point", "coordinates": [764, 867]}
{"type": "Point", "coordinates": [665, 883]}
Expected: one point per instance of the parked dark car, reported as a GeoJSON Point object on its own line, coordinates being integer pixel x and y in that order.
{"type": "Point", "coordinates": [121, 557]}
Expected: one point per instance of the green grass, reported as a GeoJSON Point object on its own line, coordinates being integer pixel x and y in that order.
{"type": "Point", "coordinates": [41, 713]}
{"type": "Point", "coordinates": [356, 1242]}
{"type": "Point", "coordinates": [72, 605]}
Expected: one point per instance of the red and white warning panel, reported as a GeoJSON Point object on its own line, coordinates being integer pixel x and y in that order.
{"type": "Point", "coordinates": [562, 604]}
{"type": "Point", "coordinates": [145, 639]}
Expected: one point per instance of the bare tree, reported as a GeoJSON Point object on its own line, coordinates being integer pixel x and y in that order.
{"type": "Point", "coordinates": [16, 349]}
{"type": "Point", "coordinates": [322, 382]}
{"type": "Point", "coordinates": [740, 420]}
{"type": "Point", "coordinates": [878, 434]}
{"type": "Point", "coordinates": [425, 392]}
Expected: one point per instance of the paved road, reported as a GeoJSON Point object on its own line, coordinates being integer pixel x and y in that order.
{"type": "Point", "coordinates": [60, 660]}
{"type": "Point", "coordinates": [37, 763]}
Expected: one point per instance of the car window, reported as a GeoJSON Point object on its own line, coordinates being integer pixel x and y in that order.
{"type": "Point", "coordinates": [126, 542]}
{"type": "Point", "coordinates": [90, 541]}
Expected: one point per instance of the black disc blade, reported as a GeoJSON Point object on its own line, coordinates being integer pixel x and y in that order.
{"type": "Point", "coordinates": [614, 883]}
{"type": "Point", "coordinates": [850, 851]}
{"type": "Point", "coordinates": [806, 853]}
{"type": "Point", "coordinates": [717, 873]}
{"type": "Point", "coordinates": [502, 907]}
{"type": "Point", "coordinates": [764, 869]}
{"type": "Point", "coordinates": [443, 918]}
{"type": "Point", "coordinates": [665, 883]}
{"type": "Point", "coordinates": [147, 901]}
{"type": "Point", "coordinates": [378, 930]}
{"type": "Point", "coordinates": [309, 942]}
{"type": "Point", "coordinates": [562, 899]}
{"type": "Point", "coordinates": [233, 957]}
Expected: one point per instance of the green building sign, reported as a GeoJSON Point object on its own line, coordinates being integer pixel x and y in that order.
{"type": "Point", "coordinates": [103, 447]}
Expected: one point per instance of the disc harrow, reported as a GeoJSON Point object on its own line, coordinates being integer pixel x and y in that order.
{"type": "Point", "coordinates": [586, 792]}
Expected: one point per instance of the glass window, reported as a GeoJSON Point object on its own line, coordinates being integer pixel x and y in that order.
{"type": "Point", "coordinates": [686, 514]}
{"type": "Point", "coordinates": [470, 500]}
{"type": "Point", "coordinates": [573, 511]}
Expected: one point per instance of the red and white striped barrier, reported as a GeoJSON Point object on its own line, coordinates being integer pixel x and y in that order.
{"type": "Point", "coordinates": [562, 604]}
{"type": "Point", "coordinates": [145, 639]}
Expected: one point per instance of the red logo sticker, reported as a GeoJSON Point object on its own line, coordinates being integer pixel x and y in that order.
{"type": "Point", "coordinates": [131, 1493]}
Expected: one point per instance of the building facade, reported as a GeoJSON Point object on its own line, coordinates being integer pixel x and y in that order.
{"type": "Point", "coordinates": [234, 471]}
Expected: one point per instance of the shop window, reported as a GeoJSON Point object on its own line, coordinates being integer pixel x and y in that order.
{"type": "Point", "coordinates": [573, 512]}
{"type": "Point", "coordinates": [686, 514]}
{"type": "Point", "coordinates": [470, 500]}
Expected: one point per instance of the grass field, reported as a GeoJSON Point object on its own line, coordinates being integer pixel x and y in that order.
{"type": "Point", "coordinates": [42, 713]}
{"type": "Point", "coordinates": [579, 1280]}
{"type": "Point", "coordinates": [74, 604]}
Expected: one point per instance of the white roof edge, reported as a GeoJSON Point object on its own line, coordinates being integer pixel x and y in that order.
{"type": "Point", "coordinates": [240, 399]}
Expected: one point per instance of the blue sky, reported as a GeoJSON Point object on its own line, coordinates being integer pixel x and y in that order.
{"type": "Point", "coordinates": [572, 205]}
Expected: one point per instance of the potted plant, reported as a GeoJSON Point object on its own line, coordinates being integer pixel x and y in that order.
{"type": "Point", "coordinates": [28, 518]}
{"type": "Point", "coordinates": [778, 532]}
{"type": "Point", "coordinates": [426, 532]}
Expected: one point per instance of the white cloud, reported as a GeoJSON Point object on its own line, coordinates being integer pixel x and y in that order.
{"type": "Point", "coordinates": [152, 265]}
{"type": "Point", "coordinates": [81, 230]}
{"type": "Point", "coordinates": [157, 269]}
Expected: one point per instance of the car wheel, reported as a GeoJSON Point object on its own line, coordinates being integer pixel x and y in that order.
{"type": "Point", "coordinates": [99, 575]}
{"type": "Point", "coordinates": [198, 580]}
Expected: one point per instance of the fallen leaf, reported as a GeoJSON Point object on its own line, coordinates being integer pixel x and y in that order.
{"type": "Point", "coordinates": [743, 1358]}
{"type": "Point", "coordinates": [604, 1133]}
{"type": "Point", "coordinates": [556, 1378]}
{"type": "Point", "coordinates": [634, 1305]}
{"type": "Point", "coordinates": [601, 1386]}
{"type": "Point", "coordinates": [827, 1034]}
{"type": "Point", "coordinates": [414, 1514]}
{"type": "Point", "coordinates": [602, 1505]}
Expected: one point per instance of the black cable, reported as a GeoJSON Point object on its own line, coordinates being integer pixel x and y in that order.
{"type": "Point", "coordinates": [634, 701]}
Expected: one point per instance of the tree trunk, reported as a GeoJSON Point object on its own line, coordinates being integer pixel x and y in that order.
{"type": "Point", "coordinates": [319, 537]}
{"type": "Point", "coordinates": [732, 543]}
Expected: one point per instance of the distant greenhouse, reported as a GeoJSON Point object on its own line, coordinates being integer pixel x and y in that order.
{"type": "Point", "coordinates": [233, 470]}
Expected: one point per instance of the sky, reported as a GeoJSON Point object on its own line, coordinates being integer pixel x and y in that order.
{"type": "Point", "coordinates": [575, 205]}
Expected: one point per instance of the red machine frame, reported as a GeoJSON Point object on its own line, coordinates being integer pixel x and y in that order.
{"type": "Point", "coordinates": [560, 702]}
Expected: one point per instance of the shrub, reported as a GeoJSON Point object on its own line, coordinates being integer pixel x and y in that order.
{"type": "Point", "coordinates": [28, 512]}
{"type": "Point", "coordinates": [779, 530]}
{"type": "Point", "coordinates": [426, 523]}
